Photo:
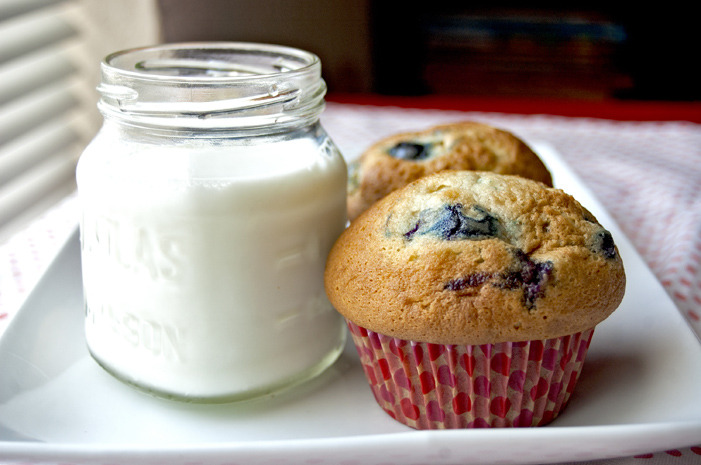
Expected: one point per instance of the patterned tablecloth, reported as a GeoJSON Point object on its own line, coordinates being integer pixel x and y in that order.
{"type": "Point", "coordinates": [647, 174]}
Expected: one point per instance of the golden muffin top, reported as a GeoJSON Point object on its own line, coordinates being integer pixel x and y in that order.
{"type": "Point", "coordinates": [467, 257]}
{"type": "Point", "coordinates": [401, 158]}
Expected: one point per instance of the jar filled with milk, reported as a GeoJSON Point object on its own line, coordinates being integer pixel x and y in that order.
{"type": "Point", "coordinates": [210, 199]}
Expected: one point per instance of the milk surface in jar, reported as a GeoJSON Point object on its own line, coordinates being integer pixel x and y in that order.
{"type": "Point", "coordinates": [210, 199]}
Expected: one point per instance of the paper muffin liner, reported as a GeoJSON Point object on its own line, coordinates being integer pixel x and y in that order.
{"type": "Point", "coordinates": [436, 386]}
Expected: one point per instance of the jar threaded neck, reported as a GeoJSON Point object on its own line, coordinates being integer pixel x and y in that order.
{"type": "Point", "coordinates": [212, 85]}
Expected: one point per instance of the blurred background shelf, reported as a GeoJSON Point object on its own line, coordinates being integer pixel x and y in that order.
{"type": "Point", "coordinates": [581, 50]}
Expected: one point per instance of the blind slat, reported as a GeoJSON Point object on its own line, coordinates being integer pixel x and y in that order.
{"type": "Point", "coordinates": [46, 182]}
{"type": "Point", "coordinates": [12, 8]}
{"type": "Point", "coordinates": [35, 109]}
{"type": "Point", "coordinates": [33, 71]}
{"type": "Point", "coordinates": [34, 147]}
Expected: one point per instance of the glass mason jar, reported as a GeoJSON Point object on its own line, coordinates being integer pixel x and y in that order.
{"type": "Point", "coordinates": [210, 199]}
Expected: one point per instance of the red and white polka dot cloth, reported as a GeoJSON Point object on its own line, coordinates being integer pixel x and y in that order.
{"type": "Point", "coordinates": [647, 174]}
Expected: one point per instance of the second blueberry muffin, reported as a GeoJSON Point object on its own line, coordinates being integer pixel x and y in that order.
{"type": "Point", "coordinates": [401, 158]}
{"type": "Point", "coordinates": [472, 298]}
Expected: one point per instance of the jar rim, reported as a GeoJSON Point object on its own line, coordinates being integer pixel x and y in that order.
{"type": "Point", "coordinates": [212, 85]}
{"type": "Point", "coordinates": [307, 60]}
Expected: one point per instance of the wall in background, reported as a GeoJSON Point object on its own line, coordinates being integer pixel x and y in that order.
{"type": "Point", "coordinates": [338, 31]}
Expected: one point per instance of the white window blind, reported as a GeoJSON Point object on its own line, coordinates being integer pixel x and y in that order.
{"type": "Point", "coordinates": [40, 110]}
{"type": "Point", "coordinates": [49, 63]}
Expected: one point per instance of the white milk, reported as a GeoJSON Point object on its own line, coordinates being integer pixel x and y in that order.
{"type": "Point", "coordinates": [206, 281]}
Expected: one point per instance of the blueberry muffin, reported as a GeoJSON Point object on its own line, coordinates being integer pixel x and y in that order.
{"type": "Point", "coordinates": [402, 158]}
{"type": "Point", "coordinates": [472, 298]}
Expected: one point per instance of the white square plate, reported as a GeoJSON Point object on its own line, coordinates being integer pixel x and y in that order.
{"type": "Point", "coordinates": [639, 392]}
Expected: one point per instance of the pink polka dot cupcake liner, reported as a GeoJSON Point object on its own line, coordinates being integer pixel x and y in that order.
{"type": "Point", "coordinates": [436, 386]}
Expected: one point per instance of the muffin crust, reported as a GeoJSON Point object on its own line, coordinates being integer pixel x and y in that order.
{"type": "Point", "coordinates": [401, 158]}
{"type": "Point", "coordinates": [467, 257]}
